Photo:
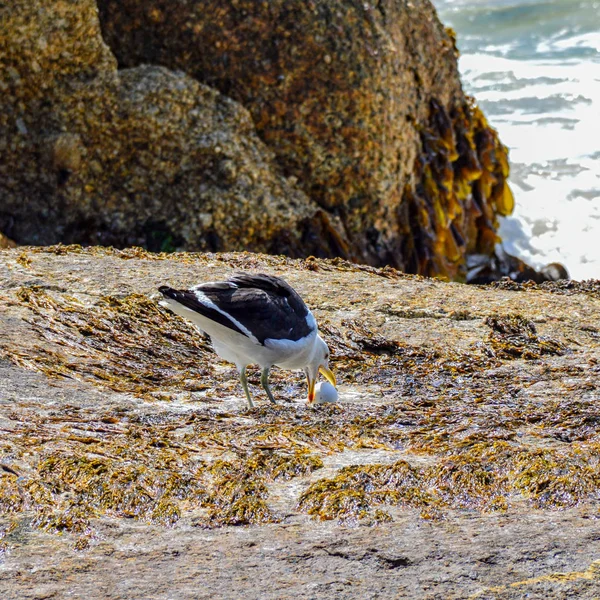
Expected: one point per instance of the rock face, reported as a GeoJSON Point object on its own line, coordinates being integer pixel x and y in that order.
{"type": "Point", "coordinates": [461, 461]}
{"type": "Point", "coordinates": [378, 156]}
{"type": "Point", "coordinates": [141, 156]}
{"type": "Point", "coordinates": [360, 101]}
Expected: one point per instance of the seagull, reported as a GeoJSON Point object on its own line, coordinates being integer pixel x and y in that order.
{"type": "Point", "coordinates": [255, 319]}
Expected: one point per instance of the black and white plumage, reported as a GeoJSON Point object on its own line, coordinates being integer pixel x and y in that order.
{"type": "Point", "coordinates": [255, 319]}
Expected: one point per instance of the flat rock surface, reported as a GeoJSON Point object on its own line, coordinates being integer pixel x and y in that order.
{"type": "Point", "coordinates": [460, 462]}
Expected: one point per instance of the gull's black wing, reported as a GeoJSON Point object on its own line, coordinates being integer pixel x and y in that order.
{"type": "Point", "coordinates": [256, 305]}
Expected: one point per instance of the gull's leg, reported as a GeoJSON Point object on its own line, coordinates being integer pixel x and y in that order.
{"type": "Point", "coordinates": [264, 380]}
{"type": "Point", "coordinates": [244, 382]}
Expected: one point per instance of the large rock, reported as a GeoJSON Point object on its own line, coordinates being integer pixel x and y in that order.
{"type": "Point", "coordinates": [462, 460]}
{"type": "Point", "coordinates": [360, 101]}
{"type": "Point", "coordinates": [379, 157]}
{"type": "Point", "coordinates": [143, 156]}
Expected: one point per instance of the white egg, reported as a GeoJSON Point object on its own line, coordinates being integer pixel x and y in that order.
{"type": "Point", "coordinates": [325, 392]}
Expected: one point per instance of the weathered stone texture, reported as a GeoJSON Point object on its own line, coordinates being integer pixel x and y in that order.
{"type": "Point", "coordinates": [360, 101]}
{"type": "Point", "coordinates": [141, 156]}
{"type": "Point", "coordinates": [378, 155]}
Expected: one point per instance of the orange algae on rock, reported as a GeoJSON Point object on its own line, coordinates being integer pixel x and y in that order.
{"type": "Point", "coordinates": [461, 186]}
{"type": "Point", "coordinates": [483, 476]}
{"type": "Point", "coordinates": [513, 336]}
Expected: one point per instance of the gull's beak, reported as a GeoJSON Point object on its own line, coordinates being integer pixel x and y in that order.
{"type": "Point", "coordinates": [328, 375]}
{"type": "Point", "coordinates": [312, 381]}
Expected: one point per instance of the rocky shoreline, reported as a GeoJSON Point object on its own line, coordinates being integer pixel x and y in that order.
{"type": "Point", "coordinates": [460, 462]}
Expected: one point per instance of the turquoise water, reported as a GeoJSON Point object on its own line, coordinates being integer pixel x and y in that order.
{"type": "Point", "coordinates": [534, 68]}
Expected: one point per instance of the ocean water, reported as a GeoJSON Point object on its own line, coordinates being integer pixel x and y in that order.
{"type": "Point", "coordinates": [534, 68]}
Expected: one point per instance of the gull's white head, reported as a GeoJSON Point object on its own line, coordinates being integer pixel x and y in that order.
{"type": "Point", "coordinates": [319, 362]}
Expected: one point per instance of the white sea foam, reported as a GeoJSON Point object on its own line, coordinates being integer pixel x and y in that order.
{"type": "Point", "coordinates": [543, 96]}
